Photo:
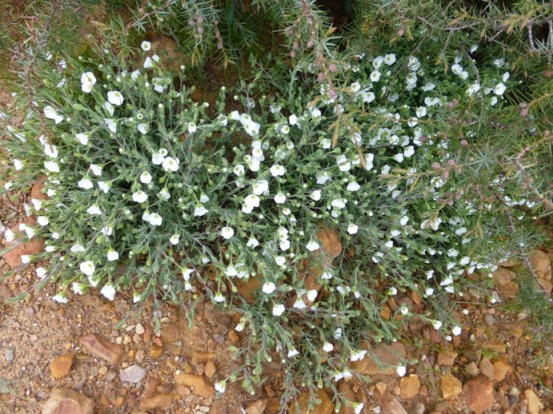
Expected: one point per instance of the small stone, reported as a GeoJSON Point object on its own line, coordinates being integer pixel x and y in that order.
{"type": "Point", "coordinates": [155, 351]}
{"type": "Point", "coordinates": [450, 386]}
{"type": "Point", "coordinates": [136, 338]}
{"type": "Point", "coordinates": [66, 401]}
{"type": "Point", "coordinates": [134, 373]}
{"type": "Point", "coordinates": [127, 340]}
{"type": "Point", "coordinates": [220, 339]}
{"type": "Point", "coordinates": [202, 357]}
{"type": "Point", "coordinates": [102, 348]}
{"type": "Point", "coordinates": [542, 266]}
{"type": "Point", "coordinates": [390, 405]}
{"type": "Point", "coordinates": [419, 408]}
{"type": "Point", "coordinates": [103, 370]}
{"type": "Point", "coordinates": [385, 360]}
{"type": "Point", "coordinates": [200, 386]}
{"type": "Point", "coordinates": [381, 387]}
{"type": "Point", "coordinates": [170, 334]}
{"type": "Point", "coordinates": [325, 407]}
{"type": "Point", "coordinates": [139, 356]}
{"type": "Point", "coordinates": [157, 401]}
{"type": "Point", "coordinates": [447, 358]}
{"type": "Point", "coordinates": [31, 247]}
{"type": "Point", "coordinates": [409, 386]}
{"type": "Point", "coordinates": [472, 370]}
{"type": "Point", "coordinates": [489, 320]}
{"type": "Point", "coordinates": [233, 336]}
{"type": "Point", "coordinates": [533, 401]}
{"type": "Point", "coordinates": [486, 368]}
{"type": "Point", "coordinates": [10, 355]}
{"type": "Point", "coordinates": [61, 366]}
{"type": "Point", "coordinates": [139, 329]}
{"type": "Point", "coordinates": [479, 394]}
{"type": "Point", "coordinates": [500, 370]}
{"type": "Point", "coordinates": [210, 369]}
{"type": "Point", "coordinates": [183, 391]}
{"type": "Point", "coordinates": [330, 241]}
{"type": "Point", "coordinates": [257, 407]}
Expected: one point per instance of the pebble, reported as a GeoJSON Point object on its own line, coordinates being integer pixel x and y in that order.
{"type": "Point", "coordinates": [139, 356]}
{"type": "Point", "coordinates": [10, 355]}
{"type": "Point", "coordinates": [139, 329]}
{"type": "Point", "coordinates": [451, 386]}
{"type": "Point", "coordinates": [220, 339]}
{"type": "Point", "coordinates": [489, 320]}
{"type": "Point", "coordinates": [102, 348]}
{"type": "Point", "coordinates": [134, 373]}
{"type": "Point", "coordinates": [533, 401]}
{"type": "Point", "coordinates": [63, 400]}
{"type": "Point", "coordinates": [479, 394]}
{"type": "Point", "coordinates": [472, 370]}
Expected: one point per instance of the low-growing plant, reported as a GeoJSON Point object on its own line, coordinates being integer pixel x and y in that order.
{"type": "Point", "coordinates": [303, 203]}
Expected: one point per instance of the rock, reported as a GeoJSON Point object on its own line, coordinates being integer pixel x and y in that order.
{"type": "Point", "coordinates": [486, 368]}
{"type": "Point", "coordinates": [61, 366]}
{"type": "Point", "coordinates": [302, 403]}
{"type": "Point", "coordinates": [200, 386]}
{"type": "Point", "coordinates": [248, 288]}
{"type": "Point", "coordinates": [5, 293]}
{"type": "Point", "coordinates": [409, 386]}
{"type": "Point", "coordinates": [155, 351]}
{"type": "Point", "coordinates": [10, 355]}
{"type": "Point", "coordinates": [202, 357]}
{"type": "Point", "coordinates": [157, 401]}
{"type": "Point", "coordinates": [384, 360]}
{"type": "Point", "coordinates": [504, 280]}
{"type": "Point", "coordinates": [472, 370]}
{"type": "Point", "coordinates": [330, 242]}
{"type": "Point", "coordinates": [381, 387]}
{"type": "Point", "coordinates": [389, 405]}
{"type": "Point", "coordinates": [171, 56]}
{"type": "Point", "coordinates": [345, 392]}
{"type": "Point", "coordinates": [183, 391]}
{"type": "Point", "coordinates": [451, 386]}
{"type": "Point", "coordinates": [542, 266]}
{"type": "Point", "coordinates": [489, 320]}
{"type": "Point", "coordinates": [66, 401]}
{"type": "Point", "coordinates": [257, 407]}
{"type": "Point", "coordinates": [134, 373]}
{"type": "Point", "coordinates": [102, 348]}
{"type": "Point", "coordinates": [36, 190]}
{"type": "Point", "coordinates": [31, 247]}
{"type": "Point", "coordinates": [233, 337]}
{"type": "Point", "coordinates": [210, 369]}
{"type": "Point", "coordinates": [533, 401]}
{"type": "Point", "coordinates": [479, 394]}
{"type": "Point", "coordinates": [139, 329]}
{"type": "Point", "coordinates": [447, 358]}
{"type": "Point", "coordinates": [419, 408]}
{"type": "Point", "coordinates": [500, 369]}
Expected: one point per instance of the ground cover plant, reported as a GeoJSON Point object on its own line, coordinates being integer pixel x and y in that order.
{"type": "Point", "coordinates": [325, 183]}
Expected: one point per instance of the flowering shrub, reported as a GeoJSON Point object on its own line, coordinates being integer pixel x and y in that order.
{"type": "Point", "coordinates": [152, 193]}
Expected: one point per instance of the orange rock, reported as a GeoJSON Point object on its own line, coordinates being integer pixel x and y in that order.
{"type": "Point", "coordinates": [171, 56]}
{"type": "Point", "coordinates": [446, 358]}
{"type": "Point", "coordinates": [384, 359]}
{"type": "Point", "coordinates": [33, 246]}
{"type": "Point", "coordinates": [102, 348]}
{"type": "Point", "coordinates": [198, 383]}
{"type": "Point", "coordinates": [451, 386]}
{"type": "Point", "coordinates": [248, 288]}
{"type": "Point", "coordinates": [157, 401]}
{"type": "Point", "coordinates": [155, 351]}
{"type": "Point", "coordinates": [389, 405]}
{"type": "Point", "coordinates": [542, 266]}
{"type": "Point", "coordinates": [66, 401]}
{"type": "Point", "coordinates": [330, 241]}
{"type": "Point", "coordinates": [409, 386]}
{"type": "Point", "coordinates": [61, 366]}
{"type": "Point", "coordinates": [233, 336]}
{"type": "Point", "coordinates": [500, 370]}
{"type": "Point", "coordinates": [302, 404]}
{"type": "Point", "coordinates": [36, 190]}
{"type": "Point", "coordinates": [210, 369]}
{"type": "Point", "coordinates": [202, 357]}
{"type": "Point", "coordinates": [479, 394]}
{"type": "Point", "coordinates": [257, 407]}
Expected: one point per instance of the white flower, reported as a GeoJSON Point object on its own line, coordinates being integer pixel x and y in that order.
{"type": "Point", "coordinates": [456, 330]}
{"type": "Point", "coordinates": [87, 268]}
{"type": "Point", "coordinates": [60, 298]}
{"type": "Point", "coordinates": [76, 248]}
{"type": "Point", "coordinates": [357, 356]}
{"type": "Point", "coordinates": [341, 375]}
{"type": "Point", "coordinates": [18, 164]}
{"type": "Point", "coordinates": [174, 239]}
{"type": "Point", "coordinates": [316, 195]}
{"type": "Point", "coordinates": [145, 45]}
{"type": "Point", "coordinates": [280, 198]}
{"type": "Point", "coordinates": [170, 164]}
{"type": "Point", "coordinates": [398, 157]}
{"type": "Point", "coordinates": [409, 151]}
{"type": "Point", "coordinates": [148, 63]}
{"type": "Point", "coordinates": [96, 169]}
{"type": "Point", "coordinates": [413, 64]}
{"type": "Point", "coordinates": [293, 352]}
{"type": "Point", "coordinates": [52, 166]}
{"type": "Point", "coordinates": [200, 211]}
{"type": "Point", "coordinates": [472, 89]}
{"type": "Point", "coordinates": [83, 138]}
{"type": "Point", "coordinates": [429, 292]}
{"type": "Point", "coordinates": [94, 210]}
{"type": "Point", "coordinates": [111, 124]}
{"type": "Point", "coordinates": [354, 186]}
{"type": "Point", "coordinates": [499, 89]}
{"type": "Point", "coordinates": [252, 201]}
{"type": "Point", "coordinates": [112, 255]}
{"type": "Point", "coordinates": [109, 108]}
{"type": "Point", "coordinates": [155, 219]}
{"type": "Point", "coordinates": [252, 242]}
{"type": "Point", "coordinates": [260, 187]}
{"type": "Point", "coordinates": [390, 59]}
{"type": "Point", "coordinates": [352, 228]}
{"type": "Point", "coordinates": [145, 177]}
{"type": "Point", "coordinates": [326, 143]}
{"type": "Point", "coordinates": [355, 87]}
{"type": "Point", "coordinates": [107, 230]}
{"type": "Point", "coordinates": [220, 386]}
{"type": "Point", "coordinates": [421, 111]}
{"type": "Point", "coordinates": [268, 287]}
{"type": "Point", "coordinates": [42, 220]}
{"type": "Point", "coordinates": [278, 310]}
{"type": "Point", "coordinates": [343, 163]}
{"type": "Point", "coordinates": [78, 288]}
{"type": "Point", "coordinates": [219, 297]}
{"type": "Point", "coordinates": [85, 183]}
{"type": "Point", "coordinates": [436, 324]}
{"type": "Point", "coordinates": [144, 129]}
{"type": "Point", "coordinates": [186, 272]}
{"type": "Point", "coordinates": [139, 196]}
{"type": "Point", "coordinates": [457, 69]}
{"type": "Point", "coordinates": [51, 150]}
{"type": "Point", "coordinates": [401, 370]}
{"type": "Point", "coordinates": [104, 186]}
{"type": "Point", "coordinates": [284, 245]}
{"type": "Point", "coordinates": [25, 259]}
{"type": "Point", "coordinates": [293, 119]}
{"type": "Point", "coordinates": [312, 246]}
{"type": "Point", "coordinates": [377, 62]}
{"type": "Point", "coordinates": [50, 249]}
{"type": "Point", "coordinates": [506, 76]}
{"type": "Point", "coordinates": [87, 81]}
{"type": "Point", "coordinates": [9, 236]}
{"type": "Point", "coordinates": [339, 203]}
{"type": "Point", "coordinates": [277, 170]}
{"type": "Point", "coordinates": [191, 127]}
{"type": "Point", "coordinates": [285, 129]}
{"type": "Point", "coordinates": [312, 295]}
{"type": "Point", "coordinates": [328, 347]}
{"type": "Point", "coordinates": [375, 76]}
{"type": "Point", "coordinates": [227, 232]}
{"type": "Point", "coordinates": [108, 291]}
